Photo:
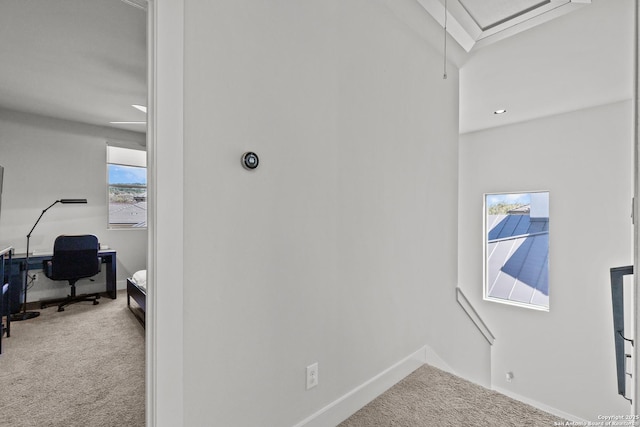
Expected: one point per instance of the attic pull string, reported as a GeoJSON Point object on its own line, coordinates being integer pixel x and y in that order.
{"type": "Point", "coordinates": [444, 75]}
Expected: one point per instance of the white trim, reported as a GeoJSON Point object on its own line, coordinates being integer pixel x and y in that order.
{"type": "Point", "coordinates": [345, 406]}
{"type": "Point", "coordinates": [485, 255]}
{"type": "Point", "coordinates": [164, 375]}
{"type": "Point", "coordinates": [540, 15]}
{"type": "Point", "coordinates": [549, 409]}
{"type": "Point", "coordinates": [433, 359]}
{"type": "Point", "coordinates": [126, 156]}
{"type": "Point", "coordinates": [636, 203]}
{"type": "Point", "coordinates": [465, 31]}
{"type": "Point", "coordinates": [474, 316]}
{"type": "Point", "coordinates": [517, 304]}
{"type": "Point", "coordinates": [454, 28]}
{"type": "Point", "coordinates": [150, 324]}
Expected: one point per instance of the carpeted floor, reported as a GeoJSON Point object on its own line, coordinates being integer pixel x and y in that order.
{"type": "Point", "coordinates": [430, 397]}
{"type": "Point", "coordinates": [82, 367]}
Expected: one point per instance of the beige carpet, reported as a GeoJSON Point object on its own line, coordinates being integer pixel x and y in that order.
{"type": "Point", "coordinates": [430, 397]}
{"type": "Point", "coordinates": [82, 367]}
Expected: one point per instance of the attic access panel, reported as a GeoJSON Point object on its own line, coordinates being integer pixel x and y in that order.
{"type": "Point", "coordinates": [477, 23]}
{"type": "Point", "coordinates": [490, 13]}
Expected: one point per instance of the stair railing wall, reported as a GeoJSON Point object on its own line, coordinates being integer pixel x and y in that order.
{"type": "Point", "coordinates": [474, 316]}
{"type": "Point", "coordinates": [617, 301]}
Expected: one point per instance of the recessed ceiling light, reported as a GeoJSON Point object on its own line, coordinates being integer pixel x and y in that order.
{"type": "Point", "coordinates": [128, 123]}
{"type": "Point", "coordinates": [140, 107]}
{"type": "Point", "coordinates": [499, 111]}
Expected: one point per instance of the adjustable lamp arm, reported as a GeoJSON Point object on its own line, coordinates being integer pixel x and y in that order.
{"type": "Point", "coordinates": [38, 220]}
{"type": "Point", "coordinates": [49, 207]}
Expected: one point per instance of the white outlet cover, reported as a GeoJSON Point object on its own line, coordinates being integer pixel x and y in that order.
{"type": "Point", "coordinates": [312, 376]}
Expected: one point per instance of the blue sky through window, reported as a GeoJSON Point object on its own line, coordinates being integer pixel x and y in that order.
{"type": "Point", "coordinates": [119, 174]}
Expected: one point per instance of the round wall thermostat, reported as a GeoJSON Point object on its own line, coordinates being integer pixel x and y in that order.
{"type": "Point", "coordinates": [250, 160]}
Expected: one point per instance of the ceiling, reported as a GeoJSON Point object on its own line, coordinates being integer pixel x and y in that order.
{"type": "Point", "coordinates": [577, 60]}
{"type": "Point", "coordinates": [85, 60]}
{"type": "Point", "coordinates": [78, 60]}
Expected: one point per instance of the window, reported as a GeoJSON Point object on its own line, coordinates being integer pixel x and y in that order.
{"type": "Point", "coordinates": [517, 249]}
{"type": "Point", "coordinates": [127, 180]}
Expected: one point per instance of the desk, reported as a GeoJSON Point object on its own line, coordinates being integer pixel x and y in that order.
{"type": "Point", "coordinates": [6, 255]}
{"type": "Point", "coordinates": [16, 280]}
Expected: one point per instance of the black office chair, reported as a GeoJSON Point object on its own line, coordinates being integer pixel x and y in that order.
{"type": "Point", "coordinates": [74, 258]}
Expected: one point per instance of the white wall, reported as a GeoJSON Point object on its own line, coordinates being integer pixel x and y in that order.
{"type": "Point", "coordinates": [341, 247]}
{"type": "Point", "coordinates": [47, 159]}
{"type": "Point", "coordinates": [563, 359]}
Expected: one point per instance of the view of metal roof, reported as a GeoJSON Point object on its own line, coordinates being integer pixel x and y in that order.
{"type": "Point", "coordinates": [518, 259]}
{"type": "Point", "coordinates": [132, 215]}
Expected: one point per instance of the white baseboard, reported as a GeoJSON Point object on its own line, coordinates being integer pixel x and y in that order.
{"type": "Point", "coordinates": [542, 406]}
{"type": "Point", "coordinates": [348, 404]}
{"type": "Point", "coordinates": [436, 361]}
{"type": "Point", "coordinates": [345, 406]}
{"type": "Point", "coordinates": [121, 284]}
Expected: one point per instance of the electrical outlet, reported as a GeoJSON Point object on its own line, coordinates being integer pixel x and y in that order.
{"type": "Point", "coordinates": [312, 375]}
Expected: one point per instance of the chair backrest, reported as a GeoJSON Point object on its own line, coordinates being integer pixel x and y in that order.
{"type": "Point", "coordinates": [75, 257]}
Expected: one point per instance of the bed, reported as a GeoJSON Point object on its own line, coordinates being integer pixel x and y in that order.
{"type": "Point", "coordinates": [137, 289]}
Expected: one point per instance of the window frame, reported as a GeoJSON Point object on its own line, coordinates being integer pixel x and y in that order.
{"type": "Point", "coordinates": [486, 282]}
{"type": "Point", "coordinates": [130, 158]}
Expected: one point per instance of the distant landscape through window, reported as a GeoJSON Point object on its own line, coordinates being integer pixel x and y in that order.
{"type": "Point", "coordinates": [127, 195]}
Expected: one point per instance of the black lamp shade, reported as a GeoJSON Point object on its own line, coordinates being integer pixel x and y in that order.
{"type": "Point", "coordinates": [73, 200]}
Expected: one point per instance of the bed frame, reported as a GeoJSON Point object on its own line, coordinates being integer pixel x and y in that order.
{"type": "Point", "coordinates": [139, 295]}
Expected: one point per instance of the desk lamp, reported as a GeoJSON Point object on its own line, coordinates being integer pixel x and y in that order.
{"type": "Point", "coordinates": [31, 314]}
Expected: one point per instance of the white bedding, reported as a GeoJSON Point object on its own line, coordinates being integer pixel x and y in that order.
{"type": "Point", "coordinates": [140, 278]}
